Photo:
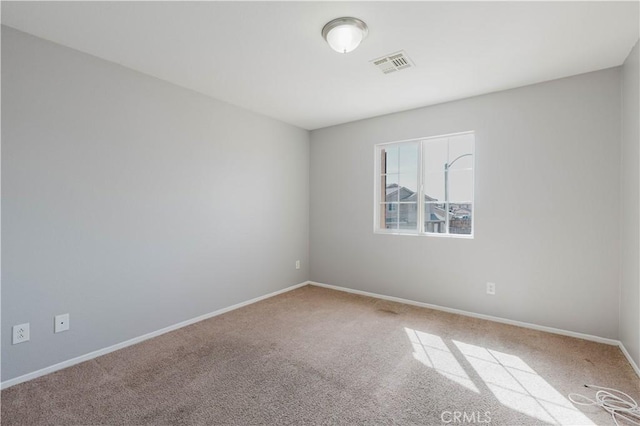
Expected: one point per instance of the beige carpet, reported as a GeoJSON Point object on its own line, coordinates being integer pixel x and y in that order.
{"type": "Point", "coordinates": [317, 356]}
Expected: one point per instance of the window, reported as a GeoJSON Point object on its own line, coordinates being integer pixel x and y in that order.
{"type": "Point", "coordinates": [425, 186]}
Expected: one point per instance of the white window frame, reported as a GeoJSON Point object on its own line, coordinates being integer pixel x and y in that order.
{"type": "Point", "coordinates": [420, 231]}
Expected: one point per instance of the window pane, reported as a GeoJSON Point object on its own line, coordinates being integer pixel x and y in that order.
{"type": "Point", "coordinates": [434, 186]}
{"type": "Point", "coordinates": [408, 187]}
{"type": "Point", "coordinates": [408, 158]}
{"type": "Point", "coordinates": [461, 145]}
{"type": "Point", "coordinates": [434, 152]}
{"type": "Point", "coordinates": [434, 218]}
{"type": "Point", "coordinates": [460, 218]}
{"type": "Point", "coordinates": [391, 159]}
{"type": "Point", "coordinates": [391, 185]}
{"type": "Point", "coordinates": [460, 185]}
{"type": "Point", "coordinates": [390, 215]}
{"type": "Point", "coordinates": [408, 216]}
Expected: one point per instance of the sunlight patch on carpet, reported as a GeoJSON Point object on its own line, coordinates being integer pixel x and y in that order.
{"type": "Point", "coordinates": [519, 387]}
{"type": "Point", "coordinates": [431, 350]}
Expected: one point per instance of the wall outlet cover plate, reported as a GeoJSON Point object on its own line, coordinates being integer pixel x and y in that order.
{"type": "Point", "coordinates": [20, 333]}
{"type": "Point", "coordinates": [61, 323]}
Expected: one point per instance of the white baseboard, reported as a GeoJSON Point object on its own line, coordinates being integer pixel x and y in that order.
{"type": "Point", "coordinates": [631, 361]}
{"type": "Point", "coordinates": [474, 315]}
{"type": "Point", "coordinates": [104, 351]}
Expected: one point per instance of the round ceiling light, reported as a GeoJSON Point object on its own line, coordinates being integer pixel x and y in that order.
{"type": "Point", "coordinates": [345, 34]}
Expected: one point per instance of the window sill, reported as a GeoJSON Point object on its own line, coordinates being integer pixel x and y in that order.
{"type": "Point", "coordinates": [425, 234]}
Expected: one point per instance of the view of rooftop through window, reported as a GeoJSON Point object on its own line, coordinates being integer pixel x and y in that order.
{"type": "Point", "coordinates": [426, 186]}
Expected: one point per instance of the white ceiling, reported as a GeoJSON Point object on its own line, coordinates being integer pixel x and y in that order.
{"type": "Point", "coordinates": [269, 57]}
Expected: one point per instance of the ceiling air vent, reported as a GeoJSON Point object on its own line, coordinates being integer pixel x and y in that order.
{"type": "Point", "coordinates": [393, 62]}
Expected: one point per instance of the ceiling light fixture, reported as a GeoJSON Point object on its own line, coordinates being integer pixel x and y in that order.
{"type": "Point", "coordinates": [345, 34]}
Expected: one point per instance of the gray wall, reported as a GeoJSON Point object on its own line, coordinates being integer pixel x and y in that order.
{"type": "Point", "coordinates": [133, 204]}
{"type": "Point", "coordinates": [547, 198]}
{"type": "Point", "coordinates": [629, 208]}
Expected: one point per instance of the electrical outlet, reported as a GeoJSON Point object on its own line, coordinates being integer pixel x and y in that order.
{"type": "Point", "coordinates": [61, 323]}
{"type": "Point", "coordinates": [20, 333]}
{"type": "Point", "coordinates": [297, 264]}
{"type": "Point", "coordinates": [491, 288]}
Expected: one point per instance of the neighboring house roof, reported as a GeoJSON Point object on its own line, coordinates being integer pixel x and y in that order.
{"type": "Point", "coordinates": [393, 187]}
{"type": "Point", "coordinates": [404, 193]}
{"type": "Point", "coordinates": [414, 196]}
{"type": "Point", "coordinates": [461, 212]}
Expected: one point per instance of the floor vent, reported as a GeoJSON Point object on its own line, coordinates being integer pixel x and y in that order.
{"type": "Point", "coordinates": [394, 62]}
